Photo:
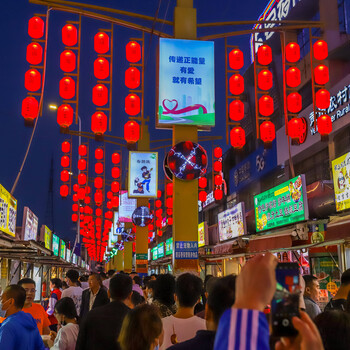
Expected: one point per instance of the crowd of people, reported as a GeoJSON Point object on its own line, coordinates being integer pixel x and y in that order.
{"type": "Point", "coordinates": [122, 311]}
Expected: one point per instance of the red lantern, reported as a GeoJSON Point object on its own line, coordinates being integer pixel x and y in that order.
{"type": "Point", "coordinates": [218, 195]}
{"type": "Point", "coordinates": [132, 104]}
{"type": "Point", "coordinates": [82, 179]}
{"type": "Point", "coordinates": [132, 78]}
{"type": "Point", "coordinates": [218, 180]}
{"type": "Point", "coordinates": [75, 207]}
{"type": "Point", "coordinates": [320, 49]}
{"type": "Point", "coordinates": [202, 196]}
{"type": "Point", "coordinates": [264, 55]}
{"type": "Point", "coordinates": [324, 126]}
{"type": "Point", "coordinates": [65, 161]}
{"type": "Point", "coordinates": [75, 198]}
{"type": "Point", "coordinates": [109, 215]}
{"type": "Point", "coordinates": [217, 152]}
{"type": "Point", "coordinates": [202, 182]}
{"type": "Point", "coordinates": [65, 147]}
{"type": "Point", "coordinates": [34, 53]}
{"type": "Point", "coordinates": [109, 204]}
{"type": "Point", "coordinates": [159, 212]}
{"type": "Point", "coordinates": [169, 189]}
{"type": "Point", "coordinates": [64, 190]}
{"type": "Point", "coordinates": [236, 59]}
{"type": "Point", "coordinates": [133, 52]}
{"type": "Point", "coordinates": [69, 35]}
{"type": "Point", "coordinates": [131, 131]}
{"type": "Point", "coordinates": [294, 102]}
{"type": "Point", "coordinates": [87, 200]}
{"type": "Point", "coordinates": [67, 88]}
{"type": "Point", "coordinates": [237, 136]}
{"type": "Point", "coordinates": [68, 61]}
{"type": "Point", "coordinates": [267, 132]}
{"type": "Point", "coordinates": [293, 77]}
{"type": "Point", "coordinates": [65, 116]}
{"type": "Point", "coordinates": [115, 201]}
{"type": "Point", "coordinates": [81, 164]}
{"type": "Point", "coordinates": [99, 123]}
{"type": "Point", "coordinates": [88, 189]}
{"type": "Point", "coordinates": [236, 84]}
{"type": "Point", "coordinates": [64, 176]}
{"type": "Point", "coordinates": [159, 193]}
{"type": "Point", "coordinates": [75, 187]}
{"type": "Point", "coordinates": [295, 130]}
{"type": "Point", "coordinates": [81, 195]}
{"type": "Point", "coordinates": [100, 95]}
{"type": "Point", "coordinates": [99, 153]}
{"type": "Point", "coordinates": [74, 217]}
{"type": "Point", "coordinates": [98, 197]}
{"type": "Point", "coordinates": [109, 194]}
{"type": "Point", "coordinates": [236, 110]}
{"type": "Point", "coordinates": [158, 203]}
{"type": "Point", "coordinates": [115, 172]}
{"type": "Point", "coordinates": [32, 80]}
{"type": "Point", "coordinates": [82, 150]}
{"type": "Point", "coordinates": [170, 221]}
{"type": "Point", "coordinates": [323, 99]}
{"type": "Point", "coordinates": [30, 107]}
{"type": "Point", "coordinates": [266, 105]}
{"type": "Point", "coordinates": [293, 52]}
{"type": "Point", "coordinates": [115, 158]}
{"type": "Point", "coordinates": [98, 183]}
{"type": "Point", "coordinates": [115, 186]}
{"type": "Point", "coordinates": [101, 42]}
{"type": "Point", "coordinates": [98, 168]}
{"type": "Point", "coordinates": [265, 80]}
{"type": "Point", "coordinates": [36, 27]}
{"type": "Point", "coordinates": [98, 212]}
{"type": "Point", "coordinates": [101, 68]}
{"type": "Point", "coordinates": [321, 74]}
{"type": "Point", "coordinates": [169, 202]}
{"type": "Point", "coordinates": [217, 166]}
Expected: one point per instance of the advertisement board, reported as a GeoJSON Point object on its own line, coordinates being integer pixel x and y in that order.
{"type": "Point", "coordinates": [341, 179]}
{"type": "Point", "coordinates": [75, 259]}
{"type": "Point", "coordinates": [29, 225]}
{"type": "Point", "coordinates": [68, 254]}
{"type": "Point", "coordinates": [8, 212]}
{"type": "Point", "coordinates": [169, 246]}
{"type": "Point", "coordinates": [160, 249]}
{"type": "Point", "coordinates": [186, 83]}
{"type": "Point", "coordinates": [155, 253]}
{"type": "Point", "coordinates": [143, 174]}
{"type": "Point", "coordinates": [126, 207]}
{"type": "Point", "coordinates": [282, 205]}
{"type": "Point", "coordinates": [47, 237]}
{"type": "Point", "coordinates": [116, 229]}
{"type": "Point", "coordinates": [55, 244]}
{"type": "Point", "coordinates": [186, 250]}
{"type": "Point", "coordinates": [232, 223]}
{"type": "Point", "coordinates": [63, 250]}
{"type": "Point", "coordinates": [201, 235]}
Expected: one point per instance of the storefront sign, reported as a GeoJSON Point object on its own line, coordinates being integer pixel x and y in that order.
{"type": "Point", "coordinates": [68, 254]}
{"type": "Point", "coordinates": [256, 165]}
{"type": "Point", "coordinates": [186, 82]}
{"type": "Point", "coordinates": [341, 179]}
{"type": "Point", "coordinates": [143, 174]}
{"type": "Point", "coordinates": [75, 259]}
{"type": "Point", "coordinates": [210, 199]}
{"type": "Point", "coordinates": [160, 248]}
{"type": "Point", "coordinates": [63, 250]}
{"type": "Point", "coordinates": [232, 223]}
{"type": "Point", "coordinates": [126, 207]}
{"type": "Point", "coordinates": [186, 250]}
{"type": "Point", "coordinates": [282, 205]}
{"type": "Point", "coordinates": [55, 244]}
{"type": "Point", "coordinates": [155, 253]}
{"type": "Point", "coordinates": [8, 212]}
{"type": "Point", "coordinates": [29, 225]}
{"type": "Point", "coordinates": [47, 237]}
{"type": "Point", "coordinates": [201, 235]}
{"type": "Point", "coordinates": [169, 246]}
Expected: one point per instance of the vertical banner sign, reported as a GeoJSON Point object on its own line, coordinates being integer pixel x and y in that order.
{"type": "Point", "coordinates": [47, 237]}
{"type": "Point", "coordinates": [55, 244]}
{"type": "Point", "coordinates": [126, 207]}
{"type": "Point", "coordinates": [143, 174]}
{"type": "Point", "coordinates": [186, 83]}
{"type": "Point", "coordinates": [155, 253]}
{"type": "Point", "coordinates": [8, 212]}
{"type": "Point", "coordinates": [341, 179]}
{"type": "Point", "coordinates": [68, 254]}
{"type": "Point", "coordinates": [282, 205]}
{"type": "Point", "coordinates": [169, 246]}
{"type": "Point", "coordinates": [201, 235]}
{"type": "Point", "coordinates": [186, 250]}
{"type": "Point", "coordinates": [29, 225]}
{"type": "Point", "coordinates": [160, 248]}
{"type": "Point", "coordinates": [63, 250]}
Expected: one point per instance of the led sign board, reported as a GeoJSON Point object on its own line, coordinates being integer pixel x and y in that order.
{"type": "Point", "coordinates": [169, 246]}
{"type": "Point", "coordinates": [55, 244]}
{"type": "Point", "coordinates": [232, 223]}
{"type": "Point", "coordinates": [8, 212]}
{"type": "Point", "coordinates": [160, 249]}
{"type": "Point", "coordinates": [341, 173]}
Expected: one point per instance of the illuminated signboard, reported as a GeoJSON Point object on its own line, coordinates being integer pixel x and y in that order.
{"type": "Point", "coordinates": [126, 207]}
{"type": "Point", "coordinates": [169, 246]}
{"type": "Point", "coordinates": [155, 253]}
{"type": "Point", "coordinates": [55, 244]}
{"type": "Point", "coordinates": [75, 259]}
{"type": "Point", "coordinates": [341, 173]}
{"type": "Point", "coordinates": [8, 212]}
{"type": "Point", "coordinates": [68, 254]}
{"type": "Point", "coordinates": [143, 174]}
{"type": "Point", "coordinates": [160, 248]}
{"type": "Point", "coordinates": [186, 83]}
{"type": "Point", "coordinates": [116, 229]}
{"type": "Point", "coordinates": [282, 205]}
{"type": "Point", "coordinates": [201, 235]}
{"type": "Point", "coordinates": [47, 237]}
{"type": "Point", "coordinates": [231, 222]}
{"type": "Point", "coordinates": [63, 250]}
{"type": "Point", "coordinates": [29, 225]}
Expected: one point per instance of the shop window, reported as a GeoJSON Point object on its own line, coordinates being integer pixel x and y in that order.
{"type": "Point", "coordinates": [342, 142]}
{"type": "Point", "coordinates": [344, 16]}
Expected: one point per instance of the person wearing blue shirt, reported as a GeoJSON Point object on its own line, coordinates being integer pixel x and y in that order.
{"type": "Point", "coordinates": [19, 329]}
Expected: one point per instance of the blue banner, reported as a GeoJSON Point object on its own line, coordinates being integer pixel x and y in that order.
{"type": "Point", "coordinates": [186, 250]}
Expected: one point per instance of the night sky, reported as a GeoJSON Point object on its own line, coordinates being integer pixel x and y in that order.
{"type": "Point", "coordinates": [33, 186]}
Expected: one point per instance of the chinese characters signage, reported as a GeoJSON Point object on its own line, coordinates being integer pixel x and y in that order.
{"type": "Point", "coordinates": [160, 248]}
{"type": "Point", "coordinates": [68, 254]}
{"type": "Point", "coordinates": [282, 205]}
{"type": "Point", "coordinates": [186, 82]}
{"type": "Point", "coordinates": [29, 225]}
{"type": "Point", "coordinates": [155, 253]}
{"type": "Point", "coordinates": [186, 250]}
{"type": "Point", "coordinates": [232, 223]}
{"type": "Point", "coordinates": [143, 174]}
{"type": "Point", "coordinates": [201, 235]}
{"type": "Point", "coordinates": [341, 179]}
{"type": "Point", "coordinates": [47, 237]}
{"type": "Point", "coordinates": [55, 244]}
{"type": "Point", "coordinates": [8, 211]}
{"type": "Point", "coordinates": [63, 249]}
{"type": "Point", "coordinates": [126, 207]}
{"type": "Point", "coordinates": [169, 246]}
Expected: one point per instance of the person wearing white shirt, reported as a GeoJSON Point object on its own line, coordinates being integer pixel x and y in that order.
{"type": "Point", "coordinates": [74, 291]}
{"type": "Point", "coordinates": [184, 324]}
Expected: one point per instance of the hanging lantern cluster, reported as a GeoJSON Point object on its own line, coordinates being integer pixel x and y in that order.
{"type": "Point", "coordinates": [113, 201]}
{"type": "Point", "coordinates": [202, 184]}
{"type": "Point", "coordinates": [265, 127]}
{"type": "Point", "coordinates": [322, 95]}
{"type": "Point", "coordinates": [169, 195]}
{"type": "Point", "coordinates": [217, 173]}
{"type": "Point", "coordinates": [66, 148]}
{"type": "Point", "coordinates": [235, 106]}
{"type": "Point", "coordinates": [133, 81]}
{"type": "Point", "coordinates": [33, 76]}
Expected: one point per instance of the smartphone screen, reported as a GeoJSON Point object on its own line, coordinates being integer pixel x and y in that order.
{"type": "Point", "coordinates": [285, 304]}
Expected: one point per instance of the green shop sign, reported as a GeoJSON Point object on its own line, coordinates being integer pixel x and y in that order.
{"type": "Point", "coordinates": [169, 246]}
{"type": "Point", "coordinates": [160, 247]}
{"type": "Point", "coordinates": [282, 205]}
{"type": "Point", "coordinates": [155, 253]}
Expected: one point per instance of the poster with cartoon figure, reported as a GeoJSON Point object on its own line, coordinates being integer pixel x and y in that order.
{"type": "Point", "coordinates": [143, 174]}
{"type": "Point", "coordinates": [341, 179]}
